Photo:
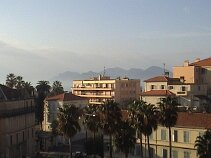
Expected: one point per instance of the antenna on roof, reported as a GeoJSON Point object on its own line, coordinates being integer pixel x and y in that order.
{"type": "Point", "coordinates": [164, 69]}
{"type": "Point", "coordinates": [104, 71]}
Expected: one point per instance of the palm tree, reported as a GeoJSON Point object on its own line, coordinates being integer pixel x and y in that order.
{"type": "Point", "coordinates": [125, 138]}
{"type": "Point", "coordinates": [19, 82]}
{"type": "Point", "coordinates": [43, 89]}
{"type": "Point", "coordinates": [68, 118]}
{"type": "Point", "coordinates": [57, 88]}
{"type": "Point", "coordinates": [149, 113]}
{"type": "Point", "coordinates": [135, 110]}
{"type": "Point", "coordinates": [203, 145]}
{"type": "Point", "coordinates": [29, 88]}
{"type": "Point", "coordinates": [168, 116]}
{"type": "Point", "coordinates": [92, 121]}
{"type": "Point", "coordinates": [111, 117]}
{"type": "Point", "coordinates": [144, 118]}
{"type": "Point", "coordinates": [11, 80]}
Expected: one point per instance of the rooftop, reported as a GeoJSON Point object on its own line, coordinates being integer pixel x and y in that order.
{"type": "Point", "coordinates": [204, 62]}
{"type": "Point", "coordinates": [7, 93]}
{"type": "Point", "coordinates": [194, 120]}
{"type": "Point", "coordinates": [157, 93]}
{"type": "Point", "coordinates": [163, 79]}
{"type": "Point", "coordinates": [65, 97]}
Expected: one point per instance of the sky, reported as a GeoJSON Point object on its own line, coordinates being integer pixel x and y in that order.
{"type": "Point", "coordinates": [41, 38]}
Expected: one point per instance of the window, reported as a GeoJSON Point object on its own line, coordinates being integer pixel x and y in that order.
{"type": "Point", "coordinates": [162, 87]}
{"type": "Point", "coordinates": [23, 135]}
{"type": "Point", "coordinates": [171, 87]}
{"type": "Point", "coordinates": [175, 136]}
{"type": "Point", "coordinates": [174, 154]}
{"type": "Point", "coordinates": [163, 134]}
{"type": "Point", "coordinates": [186, 154]}
{"type": "Point", "coordinates": [183, 88]}
{"type": "Point", "coordinates": [152, 86]}
{"type": "Point", "coordinates": [199, 88]}
{"type": "Point", "coordinates": [151, 150]}
{"type": "Point", "coordinates": [164, 153]}
{"type": "Point", "coordinates": [186, 136]}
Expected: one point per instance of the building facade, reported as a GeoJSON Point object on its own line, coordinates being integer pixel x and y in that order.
{"type": "Point", "coordinates": [102, 88]}
{"type": "Point", "coordinates": [198, 72]}
{"type": "Point", "coordinates": [53, 103]}
{"type": "Point", "coordinates": [17, 124]}
{"type": "Point", "coordinates": [184, 134]}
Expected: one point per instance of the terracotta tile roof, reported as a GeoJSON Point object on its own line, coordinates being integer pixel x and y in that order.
{"type": "Point", "coordinates": [204, 62]}
{"type": "Point", "coordinates": [163, 79]}
{"type": "Point", "coordinates": [194, 120]}
{"type": "Point", "coordinates": [157, 93]}
{"type": "Point", "coordinates": [65, 97]}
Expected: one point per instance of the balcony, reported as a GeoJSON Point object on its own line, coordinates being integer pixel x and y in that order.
{"type": "Point", "coordinates": [92, 88]}
{"type": "Point", "coordinates": [95, 96]}
{"type": "Point", "coordinates": [182, 93]}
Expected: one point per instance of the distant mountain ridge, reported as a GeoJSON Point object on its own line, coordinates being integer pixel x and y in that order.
{"type": "Point", "coordinates": [134, 73]}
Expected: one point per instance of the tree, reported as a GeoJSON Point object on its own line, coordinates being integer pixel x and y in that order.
{"type": "Point", "coordinates": [68, 118]}
{"type": "Point", "coordinates": [19, 82]}
{"type": "Point", "coordinates": [203, 145]}
{"type": "Point", "coordinates": [92, 121]}
{"type": "Point", "coordinates": [54, 127]}
{"type": "Point", "coordinates": [149, 114]}
{"type": "Point", "coordinates": [111, 117]}
{"type": "Point", "coordinates": [57, 88]}
{"type": "Point", "coordinates": [136, 118]}
{"type": "Point", "coordinates": [125, 138]}
{"type": "Point", "coordinates": [29, 88]}
{"type": "Point", "coordinates": [168, 116]}
{"type": "Point", "coordinates": [43, 89]}
{"type": "Point", "coordinates": [11, 80]}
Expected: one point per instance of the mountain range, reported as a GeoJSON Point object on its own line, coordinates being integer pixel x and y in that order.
{"type": "Point", "coordinates": [134, 73]}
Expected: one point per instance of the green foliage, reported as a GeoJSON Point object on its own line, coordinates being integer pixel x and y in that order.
{"type": "Point", "coordinates": [203, 145]}
{"type": "Point", "coordinates": [125, 138]}
{"type": "Point", "coordinates": [11, 80]}
{"type": "Point", "coordinates": [43, 89]}
{"type": "Point", "coordinates": [68, 118]}
{"type": "Point", "coordinates": [57, 88]}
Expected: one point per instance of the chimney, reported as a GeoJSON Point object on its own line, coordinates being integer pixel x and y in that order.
{"type": "Point", "coordinates": [186, 63]}
{"type": "Point", "coordinates": [197, 60]}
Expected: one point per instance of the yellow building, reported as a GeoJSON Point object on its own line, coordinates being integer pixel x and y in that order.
{"type": "Point", "coordinates": [17, 124]}
{"type": "Point", "coordinates": [184, 134]}
{"type": "Point", "coordinates": [102, 88]}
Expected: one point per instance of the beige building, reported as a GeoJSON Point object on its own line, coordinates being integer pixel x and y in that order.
{"type": "Point", "coordinates": [53, 103]}
{"type": "Point", "coordinates": [184, 134]}
{"type": "Point", "coordinates": [17, 124]}
{"type": "Point", "coordinates": [198, 72]}
{"type": "Point", "coordinates": [102, 88]}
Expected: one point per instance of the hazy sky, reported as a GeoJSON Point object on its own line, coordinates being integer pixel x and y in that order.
{"type": "Point", "coordinates": [41, 38]}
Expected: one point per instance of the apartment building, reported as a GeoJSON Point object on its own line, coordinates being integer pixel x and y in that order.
{"type": "Point", "coordinates": [99, 89]}
{"type": "Point", "coordinates": [184, 134]}
{"type": "Point", "coordinates": [163, 86]}
{"type": "Point", "coordinates": [54, 102]}
{"type": "Point", "coordinates": [17, 123]}
{"type": "Point", "coordinates": [198, 73]}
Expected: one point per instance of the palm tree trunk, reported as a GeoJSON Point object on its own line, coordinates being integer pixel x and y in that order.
{"type": "Point", "coordinates": [126, 155]}
{"type": "Point", "coordinates": [145, 145]}
{"type": "Point", "coordinates": [170, 146]}
{"type": "Point", "coordinates": [110, 141]}
{"type": "Point", "coordinates": [70, 146]}
{"type": "Point", "coordinates": [148, 147]}
{"type": "Point", "coordinates": [94, 145]}
{"type": "Point", "coordinates": [141, 146]}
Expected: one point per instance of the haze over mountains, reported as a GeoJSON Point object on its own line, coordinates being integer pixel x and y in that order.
{"type": "Point", "coordinates": [134, 73]}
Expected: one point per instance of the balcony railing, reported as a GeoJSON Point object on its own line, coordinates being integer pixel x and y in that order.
{"type": "Point", "coordinates": [93, 88]}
